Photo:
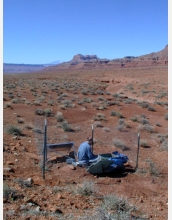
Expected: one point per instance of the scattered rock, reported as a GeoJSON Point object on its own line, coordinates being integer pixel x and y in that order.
{"type": "Point", "coordinates": [37, 209]}
{"type": "Point", "coordinates": [4, 200]}
{"type": "Point", "coordinates": [55, 209]}
{"type": "Point", "coordinates": [6, 148]}
{"type": "Point", "coordinates": [9, 163]}
{"type": "Point", "coordinates": [19, 144]}
{"type": "Point", "coordinates": [9, 169]}
{"type": "Point", "coordinates": [29, 181]}
{"type": "Point", "coordinates": [13, 148]}
{"type": "Point", "coordinates": [16, 138]}
{"type": "Point", "coordinates": [59, 196]}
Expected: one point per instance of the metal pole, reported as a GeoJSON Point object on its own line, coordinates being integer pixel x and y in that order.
{"type": "Point", "coordinates": [138, 150]}
{"type": "Point", "coordinates": [92, 137]}
{"type": "Point", "coordinates": [45, 142]}
{"type": "Point", "coordinates": [44, 149]}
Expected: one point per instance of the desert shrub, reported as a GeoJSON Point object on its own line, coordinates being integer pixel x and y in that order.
{"type": "Point", "coordinates": [62, 107]}
{"type": "Point", "coordinates": [143, 116]}
{"type": "Point", "coordinates": [13, 129]}
{"type": "Point", "coordinates": [166, 116]}
{"type": "Point", "coordinates": [48, 112]}
{"type": "Point", "coordinates": [145, 91]}
{"type": "Point", "coordinates": [117, 114]}
{"type": "Point", "coordinates": [80, 102]}
{"type": "Point", "coordinates": [121, 121]}
{"type": "Point", "coordinates": [158, 124]}
{"type": "Point", "coordinates": [151, 109]}
{"type": "Point", "coordinates": [84, 92]}
{"type": "Point", "coordinates": [101, 92]}
{"type": "Point", "coordinates": [27, 103]}
{"type": "Point", "coordinates": [57, 189]}
{"type": "Point", "coordinates": [161, 138]}
{"type": "Point", "coordinates": [119, 207]}
{"type": "Point", "coordinates": [8, 105]}
{"type": "Point", "coordinates": [141, 170]}
{"type": "Point", "coordinates": [66, 127]}
{"type": "Point", "coordinates": [29, 126]}
{"type": "Point", "coordinates": [135, 118]}
{"type": "Point", "coordinates": [164, 146]}
{"type": "Point", "coordinates": [101, 213]}
{"type": "Point", "coordinates": [9, 193]}
{"type": "Point", "coordinates": [102, 107]}
{"type": "Point", "coordinates": [44, 91]}
{"type": "Point", "coordinates": [92, 92]}
{"type": "Point", "coordinates": [115, 103]}
{"type": "Point", "coordinates": [98, 124]}
{"type": "Point", "coordinates": [39, 112]}
{"type": "Point", "coordinates": [37, 103]}
{"type": "Point", "coordinates": [22, 182]}
{"type": "Point", "coordinates": [37, 130]}
{"type": "Point", "coordinates": [99, 117]}
{"type": "Point", "coordinates": [20, 120]}
{"type": "Point", "coordinates": [87, 100]}
{"type": "Point", "coordinates": [101, 98]}
{"type": "Point", "coordinates": [88, 188]}
{"type": "Point", "coordinates": [94, 104]}
{"type": "Point", "coordinates": [67, 103]}
{"type": "Point", "coordinates": [106, 129]}
{"type": "Point", "coordinates": [159, 103]}
{"type": "Point", "coordinates": [108, 93]}
{"type": "Point", "coordinates": [128, 101]}
{"type": "Point", "coordinates": [119, 144]}
{"type": "Point", "coordinates": [143, 143]}
{"type": "Point", "coordinates": [146, 127]}
{"type": "Point", "coordinates": [120, 127]}
{"type": "Point", "coordinates": [122, 124]}
{"type": "Point", "coordinates": [34, 93]}
{"type": "Point", "coordinates": [163, 94]}
{"type": "Point", "coordinates": [143, 104]}
{"type": "Point", "coordinates": [115, 95]}
{"type": "Point", "coordinates": [11, 96]}
{"type": "Point", "coordinates": [15, 101]}
{"type": "Point", "coordinates": [144, 121]}
{"type": "Point", "coordinates": [127, 125]}
{"type": "Point", "coordinates": [60, 118]}
{"type": "Point", "coordinates": [108, 103]}
{"type": "Point", "coordinates": [153, 170]}
{"type": "Point", "coordinates": [50, 102]}
{"type": "Point", "coordinates": [33, 89]}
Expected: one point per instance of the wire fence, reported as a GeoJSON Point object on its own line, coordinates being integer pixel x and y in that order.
{"type": "Point", "coordinates": [45, 131]}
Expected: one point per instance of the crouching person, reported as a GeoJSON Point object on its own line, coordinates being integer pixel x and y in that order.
{"type": "Point", "coordinates": [85, 155]}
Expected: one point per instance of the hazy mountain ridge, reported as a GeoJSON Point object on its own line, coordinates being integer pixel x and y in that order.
{"type": "Point", "coordinates": [22, 68]}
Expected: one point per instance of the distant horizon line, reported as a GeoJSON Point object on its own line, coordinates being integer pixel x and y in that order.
{"type": "Point", "coordinates": [59, 62]}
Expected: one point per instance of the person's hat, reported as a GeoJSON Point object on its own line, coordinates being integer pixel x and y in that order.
{"type": "Point", "coordinates": [89, 139]}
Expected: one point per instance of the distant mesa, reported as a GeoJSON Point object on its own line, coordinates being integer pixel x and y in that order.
{"type": "Point", "coordinates": [80, 61]}
{"type": "Point", "coordinates": [79, 58]}
{"type": "Point", "coordinates": [82, 58]}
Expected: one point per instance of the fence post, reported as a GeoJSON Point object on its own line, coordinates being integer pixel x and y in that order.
{"type": "Point", "coordinates": [138, 150]}
{"type": "Point", "coordinates": [44, 149]}
{"type": "Point", "coordinates": [92, 137]}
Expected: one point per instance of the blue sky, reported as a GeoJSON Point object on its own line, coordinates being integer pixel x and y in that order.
{"type": "Point", "coordinates": [43, 31]}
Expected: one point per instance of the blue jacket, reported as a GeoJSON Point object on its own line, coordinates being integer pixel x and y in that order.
{"type": "Point", "coordinates": [85, 154]}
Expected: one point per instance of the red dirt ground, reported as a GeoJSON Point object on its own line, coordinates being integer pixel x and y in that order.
{"type": "Point", "coordinates": [25, 93]}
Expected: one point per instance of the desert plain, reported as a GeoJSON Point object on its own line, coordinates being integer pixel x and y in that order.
{"type": "Point", "coordinates": [120, 103]}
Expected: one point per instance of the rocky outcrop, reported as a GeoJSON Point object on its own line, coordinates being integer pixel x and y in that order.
{"type": "Point", "coordinates": [80, 61]}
